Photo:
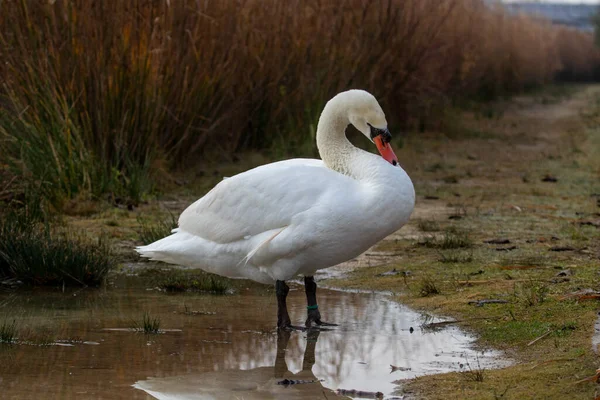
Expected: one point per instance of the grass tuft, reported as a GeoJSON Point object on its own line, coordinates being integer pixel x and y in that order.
{"type": "Point", "coordinates": [473, 374]}
{"type": "Point", "coordinates": [455, 239]}
{"type": "Point", "coordinates": [8, 332]}
{"type": "Point", "coordinates": [148, 324]}
{"type": "Point", "coordinates": [428, 287]}
{"type": "Point", "coordinates": [204, 282]}
{"type": "Point", "coordinates": [531, 293]}
{"type": "Point", "coordinates": [452, 239]}
{"type": "Point", "coordinates": [428, 226]}
{"type": "Point", "coordinates": [39, 255]}
{"type": "Point", "coordinates": [527, 260]}
{"type": "Point", "coordinates": [454, 256]}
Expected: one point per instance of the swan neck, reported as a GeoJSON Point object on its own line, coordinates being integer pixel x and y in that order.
{"type": "Point", "coordinates": [335, 149]}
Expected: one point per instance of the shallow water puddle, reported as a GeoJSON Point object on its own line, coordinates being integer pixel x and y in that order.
{"type": "Point", "coordinates": [222, 347]}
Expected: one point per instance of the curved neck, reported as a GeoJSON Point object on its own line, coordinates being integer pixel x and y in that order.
{"type": "Point", "coordinates": [335, 149]}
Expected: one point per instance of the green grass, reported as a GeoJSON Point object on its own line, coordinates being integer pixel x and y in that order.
{"type": "Point", "coordinates": [45, 142]}
{"type": "Point", "coordinates": [531, 293]}
{"type": "Point", "coordinates": [198, 282]}
{"type": "Point", "coordinates": [527, 260]}
{"type": "Point", "coordinates": [452, 239]}
{"type": "Point", "coordinates": [8, 332]}
{"type": "Point", "coordinates": [454, 256]}
{"type": "Point", "coordinates": [38, 254]}
{"type": "Point", "coordinates": [148, 324]}
{"type": "Point", "coordinates": [519, 331]}
{"type": "Point", "coordinates": [151, 231]}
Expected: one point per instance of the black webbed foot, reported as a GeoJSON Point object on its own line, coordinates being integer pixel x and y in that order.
{"type": "Point", "coordinates": [314, 320]}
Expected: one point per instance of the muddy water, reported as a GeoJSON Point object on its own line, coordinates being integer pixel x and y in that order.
{"type": "Point", "coordinates": [217, 347]}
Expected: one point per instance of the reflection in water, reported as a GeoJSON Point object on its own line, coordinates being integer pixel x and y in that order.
{"type": "Point", "coordinates": [235, 347]}
{"type": "Point", "coordinates": [374, 333]}
{"type": "Point", "coordinates": [276, 382]}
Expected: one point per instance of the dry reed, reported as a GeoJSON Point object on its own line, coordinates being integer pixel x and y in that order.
{"type": "Point", "coordinates": [104, 91]}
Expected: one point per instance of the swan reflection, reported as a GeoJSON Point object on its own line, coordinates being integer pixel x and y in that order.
{"type": "Point", "coordinates": [276, 382]}
{"type": "Point", "coordinates": [356, 355]}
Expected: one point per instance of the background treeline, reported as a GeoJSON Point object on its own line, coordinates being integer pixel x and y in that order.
{"type": "Point", "coordinates": [97, 96]}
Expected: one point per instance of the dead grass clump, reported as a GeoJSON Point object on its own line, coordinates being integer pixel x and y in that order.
{"type": "Point", "coordinates": [428, 287]}
{"type": "Point", "coordinates": [455, 239]}
{"type": "Point", "coordinates": [535, 260]}
{"type": "Point", "coordinates": [454, 256]}
{"type": "Point", "coordinates": [474, 374]}
{"type": "Point", "coordinates": [531, 293]}
{"type": "Point", "coordinates": [428, 226]}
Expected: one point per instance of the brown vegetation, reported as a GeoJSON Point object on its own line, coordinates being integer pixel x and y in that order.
{"type": "Point", "coordinates": [104, 91]}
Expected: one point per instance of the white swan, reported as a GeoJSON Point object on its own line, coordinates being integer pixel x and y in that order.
{"type": "Point", "coordinates": [297, 216]}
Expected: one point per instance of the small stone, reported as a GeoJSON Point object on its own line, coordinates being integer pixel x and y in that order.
{"type": "Point", "coordinates": [562, 248]}
{"type": "Point", "coordinates": [389, 273]}
{"type": "Point", "coordinates": [497, 241]}
{"type": "Point", "coordinates": [511, 248]}
{"type": "Point", "coordinates": [595, 223]}
{"type": "Point", "coordinates": [565, 272]}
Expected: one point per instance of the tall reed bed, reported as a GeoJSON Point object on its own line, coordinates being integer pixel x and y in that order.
{"type": "Point", "coordinates": [97, 96]}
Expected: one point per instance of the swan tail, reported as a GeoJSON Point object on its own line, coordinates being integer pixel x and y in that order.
{"type": "Point", "coordinates": [171, 249]}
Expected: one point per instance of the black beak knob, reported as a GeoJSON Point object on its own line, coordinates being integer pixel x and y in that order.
{"type": "Point", "coordinates": [385, 133]}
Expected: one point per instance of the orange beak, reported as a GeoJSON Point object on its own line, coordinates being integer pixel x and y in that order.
{"type": "Point", "coordinates": [385, 150]}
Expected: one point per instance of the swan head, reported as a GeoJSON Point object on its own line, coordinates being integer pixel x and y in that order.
{"type": "Point", "coordinates": [365, 113]}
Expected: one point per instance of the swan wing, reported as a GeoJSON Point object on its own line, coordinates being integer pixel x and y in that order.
{"type": "Point", "coordinates": [264, 200]}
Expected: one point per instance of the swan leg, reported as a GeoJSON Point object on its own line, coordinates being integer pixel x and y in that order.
{"type": "Point", "coordinates": [314, 316]}
{"type": "Point", "coordinates": [283, 318]}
